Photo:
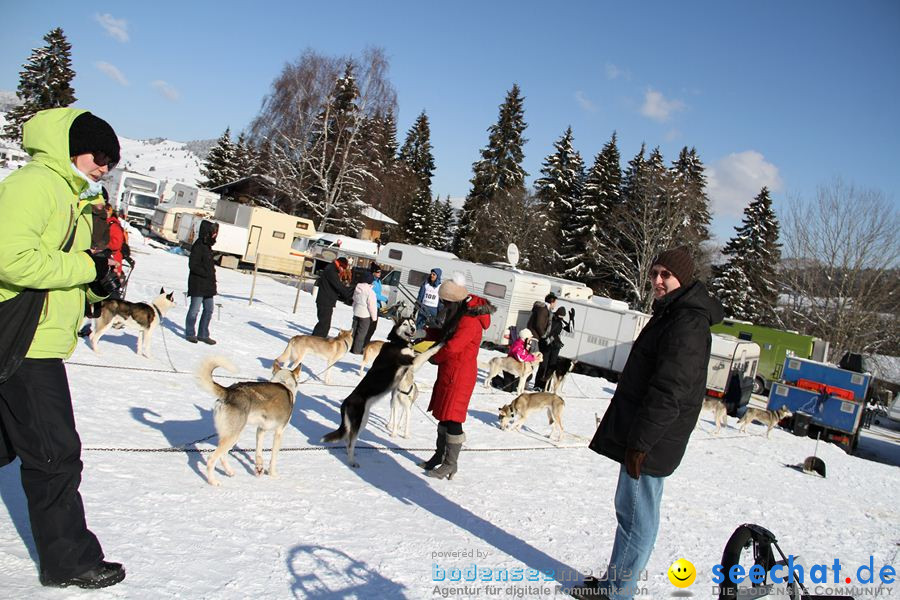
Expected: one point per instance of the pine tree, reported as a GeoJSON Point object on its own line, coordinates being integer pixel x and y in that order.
{"type": "Point", "coordinates": [559, 192]}
{"type": "Point", "coordinates": [219, 166]}
{"type": "Point", "coordinates": [448, 225]}
{"type": "Point", "coordinates": [755, 251]}
{"type": "Point", "coordinates": [732, 288]}
{"type": "Point", "coordinates": [245, 157]}
{"type": "Point", "coordinates": [44, 82]}
{"type": "Point", "coordinates": [498, 187]}
{"type": "Point", "coordinates": [690, 186]}
{"type": "Point", "coordinates": [601, 194]}
{"type": "Point", "coordinates": [417, 156]}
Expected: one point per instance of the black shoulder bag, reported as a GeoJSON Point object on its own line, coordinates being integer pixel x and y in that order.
{"type": "Point", "coordinates": [19, 317]}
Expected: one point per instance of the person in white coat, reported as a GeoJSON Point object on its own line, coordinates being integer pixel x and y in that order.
{"type": "Point", "coordinates": [365, 311]}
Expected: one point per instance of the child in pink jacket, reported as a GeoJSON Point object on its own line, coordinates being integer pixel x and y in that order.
{"type": "Point", "coordinates": [519, 348]}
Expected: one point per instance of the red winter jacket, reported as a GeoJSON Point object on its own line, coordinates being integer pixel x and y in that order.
{"type": "Point", "coordinates": [457, 363]}
{"type": "Point", "coordinates": [116, 239]}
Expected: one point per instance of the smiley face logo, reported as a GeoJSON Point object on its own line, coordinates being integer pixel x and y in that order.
{"type": "Point", "coordinates": [682, 573]}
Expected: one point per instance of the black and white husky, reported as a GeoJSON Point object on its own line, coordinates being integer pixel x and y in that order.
{"type": "Point", "coordinates": [392, 365]}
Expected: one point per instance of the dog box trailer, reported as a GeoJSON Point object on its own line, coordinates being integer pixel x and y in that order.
{"type": "Point", "coordinates": [513, 293]}
{"type": "Point", "coordinates": [166, 219]}
{"type": "Point", "coordinates": [731, 371]}
{"type": "Point", "coordinates": [775, 345]}
{"type": "Point", "coordinates": [245, 231]}
{"type": "Point", "coordinates": [825, 400]}
{"type": "Point", "coordinates": [136, 194]}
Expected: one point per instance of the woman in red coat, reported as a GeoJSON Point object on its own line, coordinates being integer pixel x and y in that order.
{"type": "Point", "coordinates": [467, 317]}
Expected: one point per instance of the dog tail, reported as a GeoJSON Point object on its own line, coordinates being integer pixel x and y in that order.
{"type": "Point", "coordinates": [205, 371]}
{"type": "Point", "coordinates": [339, 433]}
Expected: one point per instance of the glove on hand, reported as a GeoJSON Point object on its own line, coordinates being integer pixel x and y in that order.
{"type": "Point", "coordinates": [634, 460]}
{"type": "Point", "coordinates": [130, 261]}
{"type": "Point", "coordinates": [107, 281]}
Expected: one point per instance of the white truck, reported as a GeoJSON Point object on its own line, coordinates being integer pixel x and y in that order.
{"type": "Point", "coordinates": [135, 193]}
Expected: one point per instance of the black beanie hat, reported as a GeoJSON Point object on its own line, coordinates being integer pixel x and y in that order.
{"type": "Point", "coordinates": [92, 134]}
{"type": "Point", "coordinates": [679, 262]}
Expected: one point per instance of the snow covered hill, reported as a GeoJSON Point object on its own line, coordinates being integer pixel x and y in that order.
{"type": "Point", "coordinates": [163, 159]}
{"type": "Point", "coordinates": [384, 531]}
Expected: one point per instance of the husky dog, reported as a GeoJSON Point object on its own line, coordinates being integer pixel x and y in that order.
{"type": "Point", "coordinates": [769, 418]}
{"type": "Point", "coordinates": [525, 404]}
{"type": "Point", "coordinates": [402, 399]}
{"type": "Point", "coordinates": [558, 373]}
{"type": "Point", "coordinates": [513, 366]}
{"type": "Point", "coordinates": [369, 353]}
{"type": "Point", "coordinates": [266, 404]}
{"type": "Point", "coordinates": [331, 349]}
{"type": "Point", "coordinates": [135, 315]}
{"type": "Point", "coordinates": [720, 413]}
{"type": "Point", "coordinates": [390, 367]}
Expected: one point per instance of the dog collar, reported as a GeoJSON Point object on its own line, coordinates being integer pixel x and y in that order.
{"type": "Point", "coordinates": [158, 312]}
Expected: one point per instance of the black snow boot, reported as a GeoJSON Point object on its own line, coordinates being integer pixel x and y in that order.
{"type": "Point", "coordinates": [440, 446]}
{"type": "Point", "coordinates": [103, 575]}
{"type": "Point", "coordinates": [448, 467]}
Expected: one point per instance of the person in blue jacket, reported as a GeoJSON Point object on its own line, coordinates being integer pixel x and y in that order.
{"type": "Point", "coordinates": [379, 297]}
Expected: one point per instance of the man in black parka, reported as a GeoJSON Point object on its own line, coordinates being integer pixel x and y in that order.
{"type": "Point", "coordinates": [654, 410]}
{"type": "Point", "coordinates": [331, 289]}
{"type": "Point", "coordinates": [201, 283]}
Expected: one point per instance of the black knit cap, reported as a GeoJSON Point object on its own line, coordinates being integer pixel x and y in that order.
{"type": "Point", "coordinates": [679, 262]}
{"type": "Point", "coordinates": [92, 134]}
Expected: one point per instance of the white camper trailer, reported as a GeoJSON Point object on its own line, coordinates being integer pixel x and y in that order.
{"type": "Point", "coordinates": [245, 231]}
{"type": "Point", "coordinates": [732, 368]}
{"type": "Point", "coordinates": [183, 195]}
{"type": "Point", "coordinates": [512, 292]}
{"type": "Point", "coordinates": [167, 219]}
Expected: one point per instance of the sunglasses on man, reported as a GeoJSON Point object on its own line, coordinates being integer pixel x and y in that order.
{"type": "Point", "coordinates": [664, 273]}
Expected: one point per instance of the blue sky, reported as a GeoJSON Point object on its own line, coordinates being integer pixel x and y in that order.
{"type": "Point", "coordinates": [777, 93]}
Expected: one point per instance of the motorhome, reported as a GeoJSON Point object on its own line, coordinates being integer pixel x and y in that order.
{"type": "Point", "coordinates": [328, 246]}
{"type": "Point", "coordinates": [775, 345]}
{"type": "Point", "coordinates": [136, 194]}
{"type": "Point", "coordinates": [512, 292]}
{"type": "Point", "coordinates": [732, 369]}
{"type": "Point", "coordinates": [245, 231]}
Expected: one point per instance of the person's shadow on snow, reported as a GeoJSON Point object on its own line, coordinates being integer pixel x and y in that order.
{"type": "Point", "coordinates": [184, 434]}
{"type": "Point", "coordinates": [13, 497]}
{"type": "Point", "coordinates": [315, 568]}
{"type": "Point", "coordinates": [383, 471]}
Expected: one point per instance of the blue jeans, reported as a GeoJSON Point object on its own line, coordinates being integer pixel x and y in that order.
{"type": "Point", "coordinates": [425, 313]}
{"type": "Point", "coordinates": [205, 318]}
{"type": "Point", "coordinates": [637, 513]}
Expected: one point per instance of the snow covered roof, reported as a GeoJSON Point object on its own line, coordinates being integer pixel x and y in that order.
{"type": "Point", "coordinates": [377, 215]}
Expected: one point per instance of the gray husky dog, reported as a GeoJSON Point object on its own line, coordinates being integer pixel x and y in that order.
{"type": "Point", "coordinates": [266, 404]}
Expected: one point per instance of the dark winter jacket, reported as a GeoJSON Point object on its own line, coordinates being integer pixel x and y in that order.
{"type": "Point", "coordinates": [331, 288]}
{"type": "Point", "coordinates": [202, 277]}
{"type": "Point", "coordinates": [457, 363]}
{"type": "Point", "coordinates": [660, 392]}
{"type": "Point", "coordinates": [554, 336]}
{"type": "Point", "coordinates": [539, 320]}
{"type": "Point", "coordinates": [100, 232]}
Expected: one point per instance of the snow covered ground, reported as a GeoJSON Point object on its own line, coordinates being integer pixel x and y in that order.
{"type": "Point", "coordinates": [323, 530]}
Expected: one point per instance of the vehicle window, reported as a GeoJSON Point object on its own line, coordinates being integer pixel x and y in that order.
{"type": "Point", "coordinates": [392, 278]}
{"type": "Point", "coordinates": [278, 235]}
{"type": "Point", "coordinates": [497, 290]}
{"type": "Point", "coordinates": [395, 254]}
{"type": "Point", "coordinates": [745, 335]}
{"type": "Point", "coordinates": [416, 278]}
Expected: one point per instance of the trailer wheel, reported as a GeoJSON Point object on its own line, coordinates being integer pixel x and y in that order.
{"type": "Point", "coordinates": [759, 386]}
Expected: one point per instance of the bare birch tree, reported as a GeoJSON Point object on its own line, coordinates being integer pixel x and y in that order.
{"type": "Point", "coordinates": [840, 277]}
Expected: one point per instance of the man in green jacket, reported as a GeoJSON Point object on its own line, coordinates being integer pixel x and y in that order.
{"type": "Point", "coordinates": [45, 207]}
